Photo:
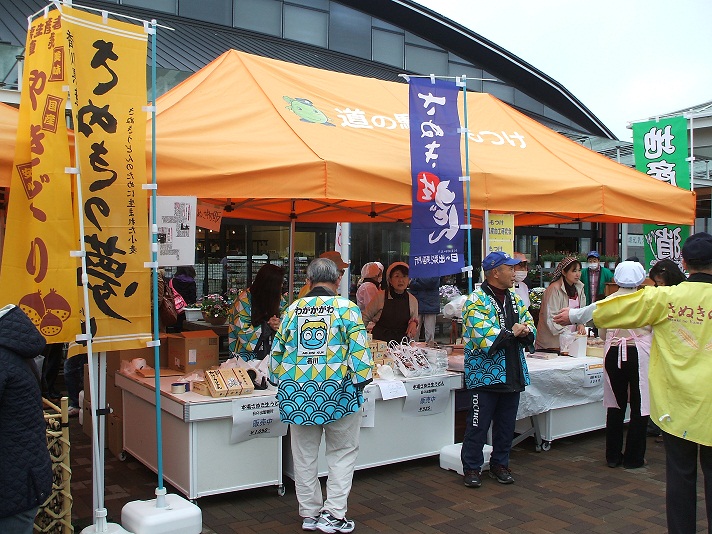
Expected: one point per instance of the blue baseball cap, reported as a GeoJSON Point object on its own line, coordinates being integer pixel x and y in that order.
{"type": "Point", "coordinates": [594, 254]}
{"type": "Point", "coordinates": [495, 259]}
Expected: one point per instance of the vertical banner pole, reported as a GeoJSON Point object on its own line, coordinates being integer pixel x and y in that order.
{"type": "Point", "coordinates": [467, 185]}
{"type": "Point", "coordinates": [160, 490]}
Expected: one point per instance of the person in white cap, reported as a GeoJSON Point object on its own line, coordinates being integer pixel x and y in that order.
{"type": "Point", "coordinates": [680, 373]}
{"type": "Point", "coordinates": [369, 284]}
{"type": "Point", "coordinates": [627, 352]}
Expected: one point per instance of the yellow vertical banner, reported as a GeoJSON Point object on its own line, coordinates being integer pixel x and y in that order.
{"type": "Point", "coordinates": [108, 75]}
{"type": "Point", "coordinates": [500, 233]}
{"type": "Point", "coordinates": [38, 274]}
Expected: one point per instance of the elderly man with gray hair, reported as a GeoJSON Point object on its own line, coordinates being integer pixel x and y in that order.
{"type": "Point", "coordinates": [321, 362]}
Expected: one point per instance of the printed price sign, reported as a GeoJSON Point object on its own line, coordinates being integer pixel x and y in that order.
{"type": "Point", "coordinates": [256, 417]}
{"type": "Point", "coordinates": [593, 375]}
{"type": "Point", "coordinates": [426, 396]}
{"type": "Point", "coordinates": [368, 408]}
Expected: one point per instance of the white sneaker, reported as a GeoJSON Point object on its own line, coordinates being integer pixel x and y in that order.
{"type": "Point", "coordinates": [309, 523]}
{"type": "Point", "coordinates": [329, 524]}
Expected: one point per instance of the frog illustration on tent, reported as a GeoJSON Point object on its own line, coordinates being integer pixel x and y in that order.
{"type": "Point", "coordinates": [306, 111]}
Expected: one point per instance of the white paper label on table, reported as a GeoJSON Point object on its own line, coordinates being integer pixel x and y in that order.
{"type": "Point", "coordinates": [426, 396]}
{"type": "Point", "coordinates": [368, 408]}
{"type": "Point", "coordinates": [192, 356]}
{"type": "Point", "coordinates": [593, 375]}
{"type": "Point", "coordinates": [256, 417]}
{"type": "Point", "coordinates": [391, 389]}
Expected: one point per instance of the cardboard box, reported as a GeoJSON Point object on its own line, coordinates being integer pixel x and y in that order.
{"type": "Point", "coordinates": [87, 425]}
{"type": "Point", "coordinates": [200, 387]}
{"type": "Point", "coordinates": [115, 435]}
{"type": "Point", "coordinates": [232, 381]}
{"type": "Point", "coordinates": [247, 384]}
{"type": "Point", "coordinates": [216, 383]}
{"type": "Point", "coordinates": [193, 350]}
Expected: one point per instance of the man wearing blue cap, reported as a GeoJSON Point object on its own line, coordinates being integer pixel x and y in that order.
{"type": "Point", "coordinates": [595, 277]}
{"type": "Point", "coordinates": [497, 327]}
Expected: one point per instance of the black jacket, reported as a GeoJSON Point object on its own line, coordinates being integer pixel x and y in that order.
{"type": "Point", "coordinates": [25, 465]}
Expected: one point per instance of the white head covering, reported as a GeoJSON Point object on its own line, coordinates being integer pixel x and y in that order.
{"type": "Point", "coordinates": [380, 265]}
{"type": "Point", "coordinates": [370, 270]}
{"type": "Point", "coordinates": [629, 274]}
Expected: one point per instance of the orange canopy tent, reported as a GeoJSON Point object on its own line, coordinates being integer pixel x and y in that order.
{"type": "Point", "coordinates": [281, 140]}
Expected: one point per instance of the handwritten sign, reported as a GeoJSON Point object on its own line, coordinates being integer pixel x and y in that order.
{"type": "Point", "coordinates": [426, 396]}
{"type": "Point", "coordinates": [391, 389]}
{"type": "Point", "coordinates": [209, 216]}
{"type": "Point", "coordinates": [256, 417]}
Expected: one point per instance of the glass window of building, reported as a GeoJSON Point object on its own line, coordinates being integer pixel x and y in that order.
{"type": "Point", "coordinates": [458, 69]}
{"type": "Point", "coordinates": [264, 16]}
{"type": "Point", "coordinates": [317, 4]}
{"type": "Point", "coordinates": [167, 6]}
{"type": "Point", "coordinates": [350, 31]}
{"type": "Point", "coordinates": [388, 47]}
{"type": "Point", "coordinates": [217, 11]}
{"type": "Point", "coordinates": [502, 91]}
{"type": "Point", "coordinates": [425, 60]}
{"type": "Point", "coordinates": [524, 101]}
{"type": "Point", "coordinates": [306, 25]}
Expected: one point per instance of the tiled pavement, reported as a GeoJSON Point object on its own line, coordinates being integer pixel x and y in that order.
{"type": "Point", "coordinates": [568, 489]}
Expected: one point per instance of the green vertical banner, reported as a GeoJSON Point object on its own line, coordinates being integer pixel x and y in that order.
{"type": "Point", "coordinates": [661, 151]}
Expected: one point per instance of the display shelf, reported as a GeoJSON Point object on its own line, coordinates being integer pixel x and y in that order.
{"type": "Point", "coordinates": [198, 458]}
{"type": "Point", "coordinates": [397, 437]}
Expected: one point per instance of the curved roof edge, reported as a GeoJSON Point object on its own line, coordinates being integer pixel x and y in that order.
{"type": "Point", "coordinates": [473, 47]}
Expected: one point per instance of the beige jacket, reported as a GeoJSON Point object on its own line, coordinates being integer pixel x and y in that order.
{"type": "Point", "coordinates": [554, 299]}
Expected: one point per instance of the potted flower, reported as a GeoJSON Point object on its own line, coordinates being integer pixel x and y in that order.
{"type": "Point", "coordinates": [215, 308]}
{"type": "Point", "coordinates": [535, 296]}
{"type": "Point", "coordinates": [548, 258]}
{"type": "Point", "coordinates": [447, 293]}
{"type": "Point", "coordinates": [610, 261]}
{"type": "Point", "coordinates": [231, 294]}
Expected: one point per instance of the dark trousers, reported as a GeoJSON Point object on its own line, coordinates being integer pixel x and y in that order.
{"type": "Point", "coordinates": [74, 377]}
{"type": "Point", "coordinates": [681, 487]}
{"type": "Point", "coordinates": [623, 381]}
{"type": "Point", "coordinates": [499, 409]}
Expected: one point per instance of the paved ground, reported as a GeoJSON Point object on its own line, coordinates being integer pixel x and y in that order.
{"type": "Point", "coordinates": [568, 489]}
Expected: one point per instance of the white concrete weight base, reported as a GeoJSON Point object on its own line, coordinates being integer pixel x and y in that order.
{"type": "Point", "coordinates": [180, 516]}
{"type": "Point", "coordinates": [111, 528]}
{"type": "Point", "coordinates": [450, 457]}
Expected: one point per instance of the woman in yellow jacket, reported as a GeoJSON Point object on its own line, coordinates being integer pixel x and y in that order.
{"type": "Point", "coordinates": [680, 372]}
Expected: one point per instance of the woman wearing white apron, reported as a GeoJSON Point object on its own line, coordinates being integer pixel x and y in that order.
{"type": "Point", "coordinates": [627, 353]}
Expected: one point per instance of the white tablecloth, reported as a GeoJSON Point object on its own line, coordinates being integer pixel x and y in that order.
{"type": "Point", "coordinates": [555, 383]}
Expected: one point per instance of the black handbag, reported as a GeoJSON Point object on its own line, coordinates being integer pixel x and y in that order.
{"type": "Point", "coordinates": [264, 343]}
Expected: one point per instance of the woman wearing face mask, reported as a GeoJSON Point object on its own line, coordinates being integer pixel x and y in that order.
{"type": "Point", "coordinates": [565, 291]}
{"type": "Point", "coordinates": [521, 270]}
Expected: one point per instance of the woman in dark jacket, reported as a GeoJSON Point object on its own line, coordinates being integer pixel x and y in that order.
{"type": "Point", "coordinates": [25, 465]}
{"type": "Point", "coordinates": [183, 282]}
{"type": "Point", "coordinates": [427, 291]}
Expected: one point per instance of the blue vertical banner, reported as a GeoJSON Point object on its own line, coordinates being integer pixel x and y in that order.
{"type": "Point", "coordinates": [436, 239]}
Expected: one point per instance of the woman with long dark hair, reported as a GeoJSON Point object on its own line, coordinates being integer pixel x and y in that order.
{"type": "Point", "coordinates": [565, 291]}
{"type": "Point", "coordinates": [255, 315]}
{"type": "Point", "coordinates": [666, 273]}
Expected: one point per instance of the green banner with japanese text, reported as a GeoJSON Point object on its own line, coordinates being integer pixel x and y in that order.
{"type": "Point", "coordinates": [661, 151]}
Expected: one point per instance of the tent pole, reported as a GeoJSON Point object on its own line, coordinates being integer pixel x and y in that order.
{"type": "Point", "coordinates": [292, 228]}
